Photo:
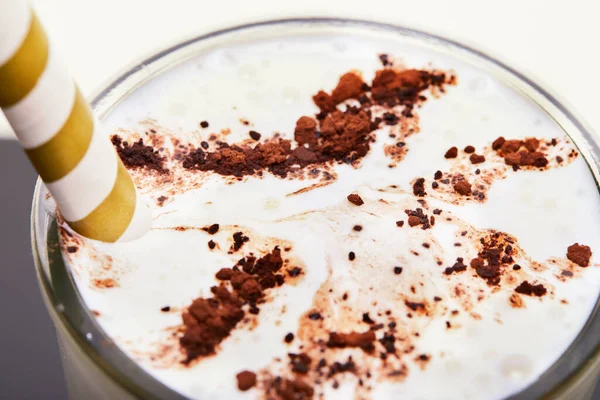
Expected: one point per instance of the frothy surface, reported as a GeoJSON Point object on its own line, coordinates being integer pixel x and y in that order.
{"type": "Point", "coordinates": [477, 338]}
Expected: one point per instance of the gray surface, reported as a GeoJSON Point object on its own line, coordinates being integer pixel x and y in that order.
{"type": "Point", "coordinates": [30, 365]}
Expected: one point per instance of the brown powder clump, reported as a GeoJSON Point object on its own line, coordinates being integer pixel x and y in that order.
{"type": "Point", "coordinates": [392, 87]}
{"type": "Point", "coordinates": [419, 218]}
{"type": "Point", "coordinates": [238, 240]}
{"type": "Point", "coordinates": [476, 159]}
{"type": "Point", "coordinates": [524, 158]}
{"type": "Point", "coordinates": [208, 321]}
{"type": "Point", "coordinates": [463, 188]}
{"type": "Point", "coordinates": [510, 146]}
{"type": "Point", "coordinates": [239, 161]}
{"type": "Point", "coordinates": [300, 363]}
{"type": "Point", "coordinates": [303, 156]}
{"type": "Point", "coordinates": [287, 389]}
{"type": "Point", "coordinates": [211, 229]}
{"type": "Point", "coordinates": [364, 340]}
{"type": "Point", "coordinates": [531, 144]}
{"type": "Point", "coordinates": [343, 137]}
{"type": "Point", "coordinates": [324, 101]}
{"type": "Point", "coordinates": [419, 187]}
{"type": "Point", "coordinates": [350, 86]}
{"type": "Point", "coordinates": [254, 135]}
{"type": "Point", "coordinates": [344, 133]}
{"type": "Point", "coordinates": [306, 131]}
{"type": "Point", "coordinates": [451, 153]}
{"type": "Point", "coordinates": [458, 266]}
{"type": "Point", "coordinates": [498, 143]}
{"type": "Point", "coordinates": [580, 254]}
{"type": "Point", "coordinates": [496, 254]}
{"type": "Point", "coordinates": [413, 221]}
{"type": "Point", "coordinates": [246, 380]}
{"type": "Point", "coordinates": [274, 152]}
{"type": "Point", "coordinates": [477, 263]}
{"type": "Point", "coordinates": [138, 155]}
{"type": "Point", "coordinates": [520, 153]}
{"type": "Point", "coordinates": [355, 199]}
{"type": "Point", "coordinates": [224, 274]}
{"type": "Point", "coordinates": [528, 289]}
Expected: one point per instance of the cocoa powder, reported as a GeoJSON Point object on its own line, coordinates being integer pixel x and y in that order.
{"type": "Point", "coordinates": [531, 290]}
{"type": "Point", "coordinates": [333, 136]}
{"type": "Point", "coordinates": [287, 389]}
{"type": "Point", "coordinates": [579, 254]}
{"type": "Point", "coordinates": [419, 218]}
{"type": "Point", "coordinates": [494, 257]}
{"type": "Point", "coordinates": [343, 137]}
{"type": "Point", "coordinates": [306, 131]}
{"type": "Point", "coordinates": [246, 380]}
{"type": "Point", "coordinates": [254, 135]}
{"type": "Point", "coordinates": [419, 187]}
{"type": "Point", "coordinates": [463, 188]}
{"type": "Point", "coordinates": [497, 144]}
{"type": "Point", "coordinates": [208, 321]}
{"type": "Point", "coordinates": [520, 153]}
{"type": "Point", "coordinates": [350, 86]}
{"type": "Point", "coordinates": [451, 153]}
{"type": "Point", "coordinates": [476, 159]}
{"type": "Point", "coordinates": [364, 340]}
{"type": "Point", "coordinates": [355, 199]}
{"type": "Point", "coordinates": [138, 155]}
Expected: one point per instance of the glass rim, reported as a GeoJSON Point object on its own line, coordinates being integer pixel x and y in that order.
{"type": "Point", "coordinates": [79, 322]}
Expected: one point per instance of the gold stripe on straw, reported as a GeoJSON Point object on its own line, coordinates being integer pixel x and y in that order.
{"type": "Point", "coordinates": [58, 156]}
{"type": "Point", "coordinates": [110, 219]}
{"type": "Point", "coordinates": [20, 74]}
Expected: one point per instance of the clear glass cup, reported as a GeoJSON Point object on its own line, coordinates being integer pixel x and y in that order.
{"type": "Point", "coordinates": [95, 368]}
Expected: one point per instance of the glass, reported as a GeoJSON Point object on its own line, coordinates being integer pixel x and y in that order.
{"type": "Point", "coordinates": [94, 365]}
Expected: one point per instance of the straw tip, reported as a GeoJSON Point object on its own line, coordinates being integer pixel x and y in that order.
{"type": "Point", "coordinates": [140, 224]}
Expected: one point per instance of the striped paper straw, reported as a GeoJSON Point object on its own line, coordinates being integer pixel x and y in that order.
{"type": "Point", "coordinates": [52, 120]}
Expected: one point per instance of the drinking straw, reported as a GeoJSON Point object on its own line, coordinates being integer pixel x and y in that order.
{"type": "Point", "coordinates": [55, 126]}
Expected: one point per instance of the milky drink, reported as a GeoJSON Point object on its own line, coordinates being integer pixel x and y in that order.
{"type": "Point", "coordinates": [412, 244]}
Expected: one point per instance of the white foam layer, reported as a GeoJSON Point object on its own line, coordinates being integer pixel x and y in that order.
{"type": "Point", "coordinates": [270, 84]}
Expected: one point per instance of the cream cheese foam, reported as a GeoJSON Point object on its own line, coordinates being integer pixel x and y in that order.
{"type": "Point", "coordinates": [455, 335]}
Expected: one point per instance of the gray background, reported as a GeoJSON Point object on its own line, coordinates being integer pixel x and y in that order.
{"type": "Point", "coordinates": [30, 365]}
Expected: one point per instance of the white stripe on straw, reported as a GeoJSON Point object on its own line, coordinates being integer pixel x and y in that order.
{"type": "Point", "coordinates": [14, 24]}
{"type": "Point", "coordinates": [46, 108]}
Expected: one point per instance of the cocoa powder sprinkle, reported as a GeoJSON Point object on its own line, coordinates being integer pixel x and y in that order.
{"type": "Point", "coordinates": [139, 155]}
{"type": "Point", "coordinates": [579, 254]}
{"type": "Point", "coordinates": [208, 321]}
{"type": "Point", "coordinates": [246, 380]}
{"type": "Point", "coordinates": [451, 153]}
{"type": "Point", "coordinates": [531, 290]}
{"type": "Point", "coordinates": [254, 135]}
{"type": "Point", "coordinates": [463, 188]}
{"type": "Point", "coordinates": [355, 199]}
